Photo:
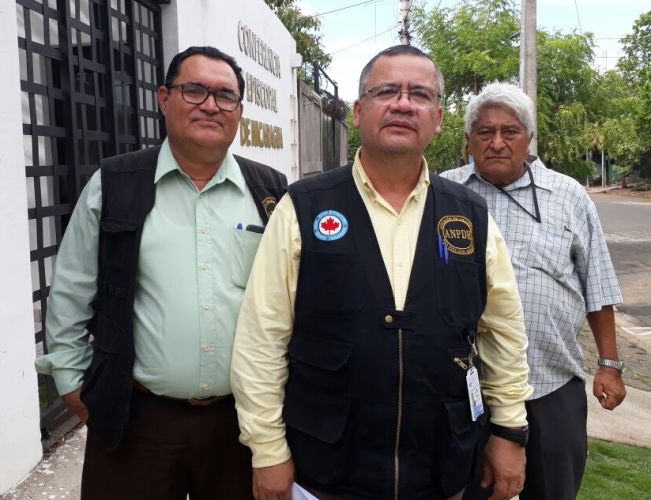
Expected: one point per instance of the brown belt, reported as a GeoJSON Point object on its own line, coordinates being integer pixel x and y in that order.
{"type": "Point", "coordinates": [192, 402]}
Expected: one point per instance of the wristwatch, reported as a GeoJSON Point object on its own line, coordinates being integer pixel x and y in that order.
{"type": "Point", "coordinates": [611, 363]}
{"type": "Point", "coordinates": [518, 435]}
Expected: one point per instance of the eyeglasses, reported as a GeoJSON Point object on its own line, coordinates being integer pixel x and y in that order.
{"type": "Point", "coordinates": [420, 96]}
{"type": "Point", "coordinates": [197, 94]}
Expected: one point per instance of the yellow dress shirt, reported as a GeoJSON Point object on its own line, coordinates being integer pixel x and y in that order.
{"type": "Point", "coordinates": [259, 363]}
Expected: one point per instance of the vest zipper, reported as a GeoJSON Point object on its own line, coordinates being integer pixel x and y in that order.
{"type": "Point", "coordinates": [396, 455]}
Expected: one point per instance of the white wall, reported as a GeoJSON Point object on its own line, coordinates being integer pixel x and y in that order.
{"type": "Point", "coordinates": [20, 441]}
{"type": "Point", "coordinates": [216, 23]}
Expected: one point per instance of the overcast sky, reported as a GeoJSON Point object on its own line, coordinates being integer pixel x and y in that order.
{"type": "Point", "coordinates": [353, 35]}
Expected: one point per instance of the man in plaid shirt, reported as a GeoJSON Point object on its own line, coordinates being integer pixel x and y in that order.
{"type": "Point", "coordinates": [564, 275]}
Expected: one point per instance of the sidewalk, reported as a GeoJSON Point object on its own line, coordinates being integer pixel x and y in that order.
{"type": "Point", "coordinates": [58, 475]}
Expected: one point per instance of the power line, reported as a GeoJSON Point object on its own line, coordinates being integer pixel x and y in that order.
{"type": "Point", "coordinates": [365, 40]}
{"type": "Point", "coordinates": [577, 17]}
{"type": "Point", "coordinates": [366, 2]}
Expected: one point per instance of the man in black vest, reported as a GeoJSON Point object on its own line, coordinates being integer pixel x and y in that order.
{"type": "Point", "coordinates": [355, 366]}
{"type": "Point", "coordinates": [153, 265]}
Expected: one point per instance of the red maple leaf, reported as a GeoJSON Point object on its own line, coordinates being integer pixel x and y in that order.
{"type": "Point", "coordinates": [330, 224]}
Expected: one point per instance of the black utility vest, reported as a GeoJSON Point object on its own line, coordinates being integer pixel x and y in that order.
{"type": "Point", "coordinates": [128, 195]}
{"type": "Point", "coordinates": [376, 406]}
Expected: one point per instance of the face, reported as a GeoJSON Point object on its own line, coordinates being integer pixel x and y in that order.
{"type": "Point", "coordinates": [199, 128]}
{"type": "Point", "coordinates": [398, 126]}
{"type": "Point", "coordinates": [499, 144]}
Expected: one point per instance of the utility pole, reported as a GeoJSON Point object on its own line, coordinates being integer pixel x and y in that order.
{"type": "Point", "coordinates": [528, 63]}
{"type": "Point", "coordinates": [403, 20]}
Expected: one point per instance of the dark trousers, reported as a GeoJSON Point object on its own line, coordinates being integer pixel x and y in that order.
{"type": "Point", "coordinates": [558, 443]}
{"type": "Point", "coordinates": [169, 450]}
{"type": "Point", "coordinates": [557, 447]}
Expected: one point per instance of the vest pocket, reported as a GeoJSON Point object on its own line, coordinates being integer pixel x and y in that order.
{"type": "Point", "coordinates": [460, 456]}
{"type": "Point", "coordinates": [316, 408]}
{"type": "Point", "coordinates": [244, 245]}
{"type": "Point", "coordinates": [459, 293]}
{"type": "Point", "coordinates": [117, 238]}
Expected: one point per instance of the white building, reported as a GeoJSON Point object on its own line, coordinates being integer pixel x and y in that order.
{"type": "Point", "coordinates": [78, 86]}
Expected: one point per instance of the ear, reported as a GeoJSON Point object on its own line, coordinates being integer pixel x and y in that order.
{"type": "Point", "coordinates": [439, 120]}
{"type": "Point", "coordinates": [357, 106]}
{"type": "Point", "coordinates": [163, 96]}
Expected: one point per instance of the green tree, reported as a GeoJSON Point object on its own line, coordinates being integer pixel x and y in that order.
{"type": "Point", "coordinates": [636, 70]}
{"type": "Point", "coordinates": [448, 148]}
{"type": "Point", "coordinates": [637, 49]}
{"type": "Point", "coordinates": [354, 141]}
{"type": "Point", "coordinates": [473, 43]}
{"type": "Point", "coordinates": [566, 107]}
{"type": "Point", "coordinates": [304, 29]}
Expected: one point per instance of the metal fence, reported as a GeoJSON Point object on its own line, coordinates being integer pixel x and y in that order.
{"type": "Point", "coordinates": [89, 71]}
{"type": "Point", "coordinates": [323, 133]}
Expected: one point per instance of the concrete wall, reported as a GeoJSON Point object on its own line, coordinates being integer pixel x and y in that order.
{"type": "Point", "coordinates": [20, 440]}
{"type": "Point", "coordinates": [204, 22]}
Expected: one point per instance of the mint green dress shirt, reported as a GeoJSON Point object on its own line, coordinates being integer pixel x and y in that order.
{"type": "Point", "coordinates": [193, 266]}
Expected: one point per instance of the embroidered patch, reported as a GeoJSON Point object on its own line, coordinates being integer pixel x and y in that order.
{"type": "Point", "coordinates": [269, 204]}
{"type": "Point", "coordinates": [456, 231]}
{"type": "Point", "coordinates": [330, 225]}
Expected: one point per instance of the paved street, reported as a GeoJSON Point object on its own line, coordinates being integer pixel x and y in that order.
{"type": "Point", "coordinates": [626, 221]}
{"type": "Point", "coordinates": [627, 224]}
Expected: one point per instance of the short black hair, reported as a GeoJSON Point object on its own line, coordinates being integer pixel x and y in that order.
{"type": "Point", "coordinates": [399, 50]}
{"type": "Point", "coordinates": [206, 51]}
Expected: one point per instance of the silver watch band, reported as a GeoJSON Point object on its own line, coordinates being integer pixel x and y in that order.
{"type": "Point", "coordinates": [611, 363]}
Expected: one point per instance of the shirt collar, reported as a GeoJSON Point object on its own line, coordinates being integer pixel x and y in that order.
{"type": "Point", "coordinates": [362, 179]}
{"type": "Point", "coordinates": [541, 176]}
{"type": "Point", "coordinates": [229, 169]}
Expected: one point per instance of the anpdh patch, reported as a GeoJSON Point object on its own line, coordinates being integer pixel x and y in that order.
{"type": "Point", "coordinates": [456, 231]}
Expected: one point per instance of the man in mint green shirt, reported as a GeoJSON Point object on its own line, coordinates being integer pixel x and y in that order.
{"type": "Point", "coordinates": [153, 265]}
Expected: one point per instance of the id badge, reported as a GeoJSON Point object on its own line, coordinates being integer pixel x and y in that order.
{"type": "Point", "coordinates": [474, 393]}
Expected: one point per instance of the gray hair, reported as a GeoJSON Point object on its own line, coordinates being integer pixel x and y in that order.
{"type": "Point", "coordinates": [501, 94]}
{"type": "Point", "coordinates": [400, 50]}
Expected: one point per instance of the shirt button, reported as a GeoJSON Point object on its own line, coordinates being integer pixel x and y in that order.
{"type": "Point", "coordinates": [205, 307]}
{"type": "Point", "coordinates": [388, 319]}
{"type": "Point", "coordinates": [203, 230]}
{"type": "Point", "coordinates": [206, 348]}
{"type": "Point", "coordinates": [203, 267]}
{"type": "Point", "coordinates": [205, 387]}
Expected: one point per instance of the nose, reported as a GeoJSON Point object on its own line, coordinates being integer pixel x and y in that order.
{"type": "Point", "coordinates": [402, 102]}
{"type": "Point", "coordinates": [210, 104]}
{"type": "Point", "coordinates": [497, 142]}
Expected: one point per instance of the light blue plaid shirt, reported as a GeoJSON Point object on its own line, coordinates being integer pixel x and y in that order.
{"type": "Point", "coordinates": [562, 265]}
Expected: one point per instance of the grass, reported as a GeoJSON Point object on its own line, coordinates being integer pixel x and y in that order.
{"type": "Point", "coordinates": [616, 471]}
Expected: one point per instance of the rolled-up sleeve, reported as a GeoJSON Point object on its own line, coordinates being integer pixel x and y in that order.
{"type": "Point", "coordinates": [74, 287]}
{"type": "Point", "coordinates": [259, 365]}
{"type": "Point", "coordinates": [502, 339]}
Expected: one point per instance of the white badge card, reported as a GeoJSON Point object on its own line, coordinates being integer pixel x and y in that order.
{"type": "Point", "coordinates": [474, 393]}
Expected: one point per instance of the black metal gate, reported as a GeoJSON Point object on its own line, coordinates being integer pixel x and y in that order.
{"type": "Point", "coordinates": [89, 71]}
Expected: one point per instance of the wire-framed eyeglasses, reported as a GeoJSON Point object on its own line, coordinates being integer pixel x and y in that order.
{"type": "Point", "coordinates": [193, 93]}
{"type": "Point", "coordinates": [419, 96]}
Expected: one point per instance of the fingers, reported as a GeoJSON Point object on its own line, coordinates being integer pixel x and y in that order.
{"type": "Point", "coordinates": [609, 389]}
{"type": "Point", "coordinates": [505, 490]}
{"type": "Point", "coordinates": [76, 405]}
{"type": "Point", "coordinates": [486, 475]}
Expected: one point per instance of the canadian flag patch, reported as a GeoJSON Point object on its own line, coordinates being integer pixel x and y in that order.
{"type": "Point", "coordinates": [330, 225]}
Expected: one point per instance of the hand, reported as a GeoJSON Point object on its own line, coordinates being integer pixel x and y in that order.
{"type": "Point", "coordinates": [275, 482]}
{"type": "Point", "coordinates": [75, 405]}
{"type": "Point", "coordinates": [503, 466]}
{"type": "Point", "coordinates": [608, 387]}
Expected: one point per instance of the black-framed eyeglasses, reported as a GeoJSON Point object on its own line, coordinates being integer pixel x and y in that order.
{"type": "Point", "coordinates": [193, 93]}
{"type": "Point", "coordinates": [418, 96]}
